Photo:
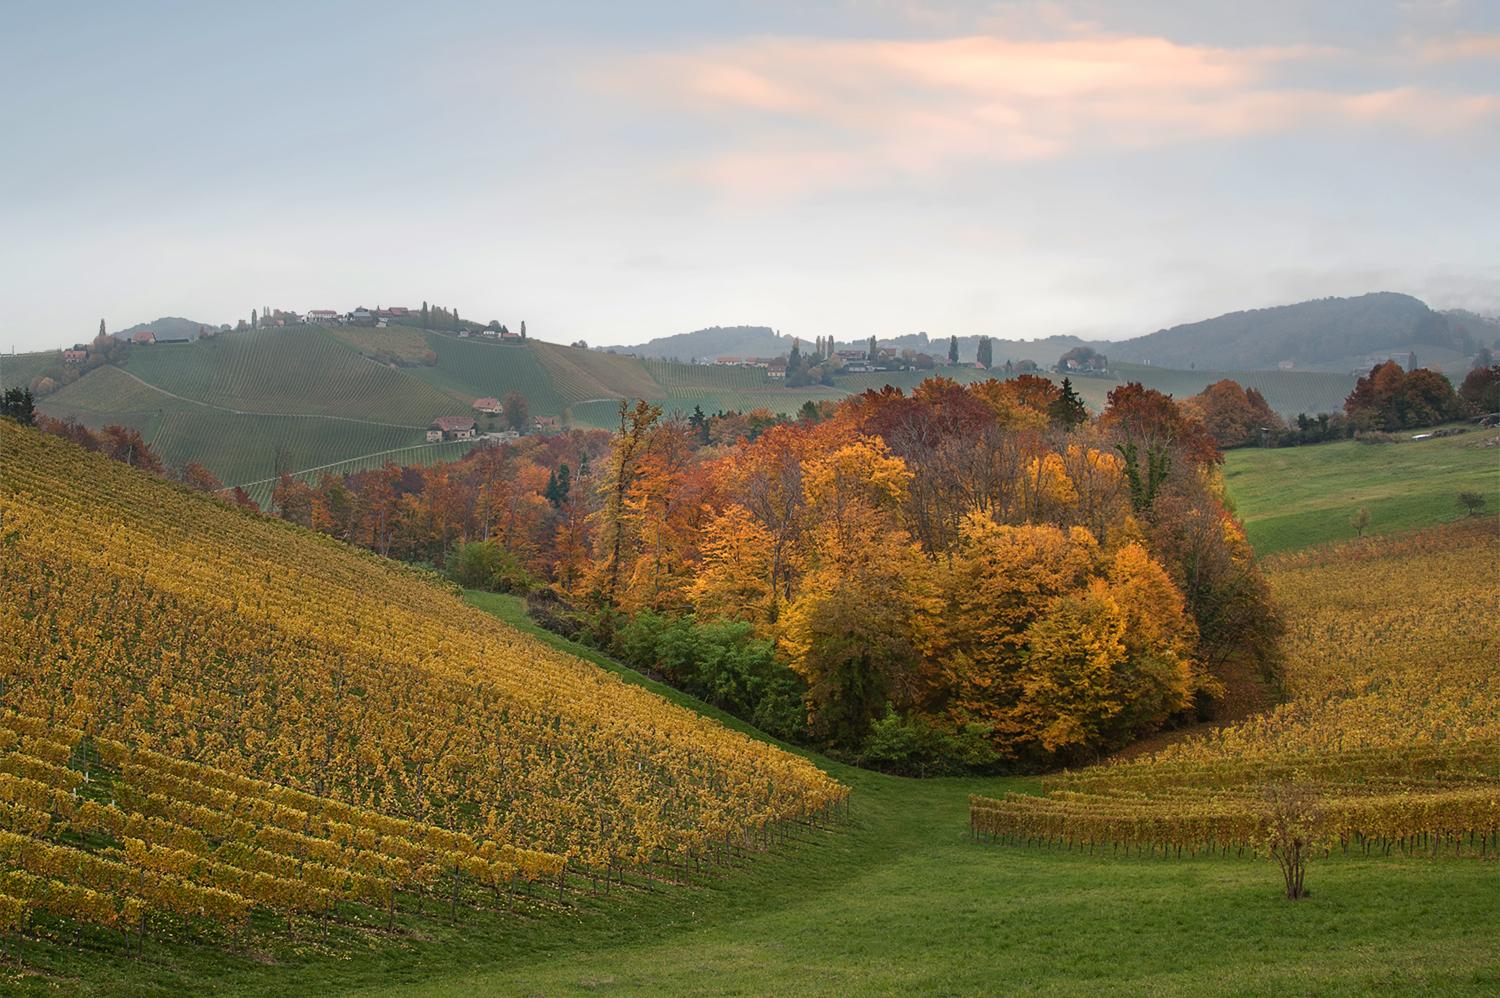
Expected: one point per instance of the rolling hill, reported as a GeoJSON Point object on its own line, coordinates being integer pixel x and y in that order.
{"type": "Point", "coordinates": [268, 698]}
{"type": "Point", "coordinates": [1327, 334]}
{"type": "Point", "coordinates": [350, 397]}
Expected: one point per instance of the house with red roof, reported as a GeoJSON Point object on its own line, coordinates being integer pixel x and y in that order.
{"type": "Point", "coordinates": [452, 428]}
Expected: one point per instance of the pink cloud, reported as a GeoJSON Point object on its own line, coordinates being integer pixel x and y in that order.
{"type": "Point", "coordinates": [1456, 47]}
{"type": "Point", "coordinates": [804, 114]}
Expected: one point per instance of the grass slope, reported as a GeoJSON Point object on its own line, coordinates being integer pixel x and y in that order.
{"type": "Point", "coordinates": [1294, 497]}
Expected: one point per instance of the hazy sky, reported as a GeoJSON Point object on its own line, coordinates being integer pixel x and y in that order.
{"type": "Point", "coordinates": [622, 171]}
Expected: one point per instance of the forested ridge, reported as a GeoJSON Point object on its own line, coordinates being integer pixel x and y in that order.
{"type": "Point", "coordinates": [1325, 331]}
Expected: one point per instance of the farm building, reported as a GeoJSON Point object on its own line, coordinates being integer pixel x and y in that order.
{"type": "Point", "coordinates": [145, 337]}
{"type": "Point", "coordinates": [776, 371]}
{"type": "Point", "coordinates": [75, 356]}
{"type": "Point", "coordinates": [451, 428]}
{"type": "Point", "coordinates": [488, 406]}
{"type": "Point", "coordinates": [325, 315]}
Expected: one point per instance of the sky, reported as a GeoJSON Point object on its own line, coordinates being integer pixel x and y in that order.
{"type": "Point", "coordinates": [616, 172]}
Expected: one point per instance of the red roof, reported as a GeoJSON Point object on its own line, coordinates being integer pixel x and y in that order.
{"type": "Point", "coordinates": [144, 336]}
{"type": "Point", "coordinates": [452, 424]}
{"type": "Point", "coordinates": [486, 403]}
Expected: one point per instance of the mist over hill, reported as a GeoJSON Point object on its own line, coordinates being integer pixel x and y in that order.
{"type": "Point", "coordinates": [763, 341]}
{"type": "Point", "coordinates": [715, 341]}
{"type": "Point", "coordinates": [1328, 334]}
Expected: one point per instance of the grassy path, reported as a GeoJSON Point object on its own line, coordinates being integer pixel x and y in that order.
{"type": "Point", "coordinates": [903, 902]}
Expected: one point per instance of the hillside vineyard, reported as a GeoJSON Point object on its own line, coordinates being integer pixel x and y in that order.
{"type": "Point", "coordinates": [1389, 741]}
{"type": "Point", "coordinates": [177, 644]}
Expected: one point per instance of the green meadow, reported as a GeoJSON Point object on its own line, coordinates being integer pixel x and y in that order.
{"type": "Point", "coordinates": [1293, 497]}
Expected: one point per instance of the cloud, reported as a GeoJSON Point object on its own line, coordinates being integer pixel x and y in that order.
{"type": "Point", "coordinates": [1466, 46]}
{"type": "Point", "coordinates": [793, 115]}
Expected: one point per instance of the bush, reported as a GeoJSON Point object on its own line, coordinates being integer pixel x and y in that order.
{"type": "Point", "coordinates": [1376, 437]}
{"type": "Point", "coordinates": [488, 566]}
{"type": "Point", "coordinates": [912, 747]}
{"type": "Point", "coordinates": [723, 664]}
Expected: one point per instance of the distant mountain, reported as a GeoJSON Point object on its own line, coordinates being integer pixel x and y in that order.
{"type": "Point", "coordinates": [715, 341]}
{"type": "Point", "coordinates": [170, 326]}
{"type": "Point", "coordinates": [763, 341]}
{"type": "Point", "coordinates": [1329, 334]}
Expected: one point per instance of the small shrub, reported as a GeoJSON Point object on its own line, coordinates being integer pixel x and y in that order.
{"type": "Point", "coordinates": [488, 566]}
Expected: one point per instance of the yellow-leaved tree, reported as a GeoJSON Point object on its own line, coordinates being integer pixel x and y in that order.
{"type": "Point", "coordinates": [1053, 646]}
{"type": "Point", "coordinates": [862, 612]}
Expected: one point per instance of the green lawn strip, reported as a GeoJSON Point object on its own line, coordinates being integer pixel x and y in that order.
{"type": "Point", "coordinates": [906, 904]}
{"type": "Point", "coordinates": [1294, 497]}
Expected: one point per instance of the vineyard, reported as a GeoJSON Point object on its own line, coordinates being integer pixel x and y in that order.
{"type": "Point", "coordinates": [99, 833]}
{"type": "Point", "coordinates": [404, 342]}
{"type": "Point", "coordinates": [703, 378]}
{"type": "Point", "coordinates": [214, 714]}
{"type": "Point", "coordinates": [108, 392]}
{"type": "Point", "coordinates": [20, 368]}
{"type": "Point", "coordinates": [1390, 737]}
{"type": "Point", "coordinates": [492, 370]}
{"type": "Point", "coordinates": [242, 448]}
{"type": "Point", "coordinates": [588, 374]}
{"type": "Point", "coordinates": [299, 370]}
